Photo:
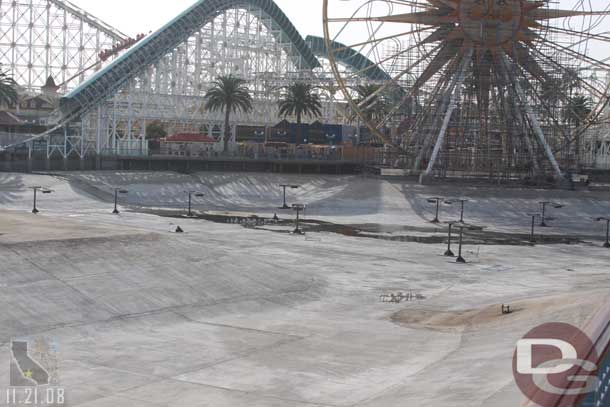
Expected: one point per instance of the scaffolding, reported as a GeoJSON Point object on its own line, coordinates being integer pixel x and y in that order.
{"type": "Point", "coordinates": [51, 38]}
{"type": "Point", "coordinates": [491, 89]}
{"type": "Point", "coordinates": [164, 76]}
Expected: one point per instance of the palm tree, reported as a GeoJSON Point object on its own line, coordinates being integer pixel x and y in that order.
{"type": "Point", "coordinates": [374, 106]}
{"type": "Point", "coordinates": [551, 92]}
{"type": "Point", "coordinates": [228, 93]}
{"type": "Point", "coordinates": [299, 99]}
{"type": "Point", "coordinates": [577, 110]}
{"type": "Point", "coordinates": [8, 92]}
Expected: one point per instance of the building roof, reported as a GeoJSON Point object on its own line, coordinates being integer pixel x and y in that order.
{"type": "Point", "coordinates": [284, 123]}
{"type": "Point", "coordinates": [50, 85]}
{"type": "Point", "coordinates": [189, 138]}
{"type": "Point", "coordinates": [9, 119]}
{"type": "Point", "coordinates": [45, 101]}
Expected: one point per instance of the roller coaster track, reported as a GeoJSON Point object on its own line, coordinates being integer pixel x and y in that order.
{"type": "Point", "coordinates": [109, 80]}
{"type": "Point", "coordinates": [105, 83]}
{"type": "Point", "coordinates": [348, 57]}
{"type": "Point", "coordinates": [150, 50]}
{"type": "Point", "coordinates": [89, 19]}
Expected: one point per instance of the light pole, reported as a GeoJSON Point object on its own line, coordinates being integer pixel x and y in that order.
{"type": "Point", "coordinates": [44, 191]}
{"type": "Point", "coordinates": [607, 220]}
{"type": "Point", "coordinates": [118, 191]}
{"type": "Point", "coordinates": [197, 195]}
{"type": "Point", "coordinates": [298, 208]}
{"type": "Point", "coordinates": [449, 253]}
{"type": "Point", "coordinates": [462, 202]}
{"type": "Point", "coordinates": [462, 226]}
{"type": "Point", "coordinates": [461, 259]}
{"type": "Point", "coordinates": [437, 201]}
{"type": "Point", "coordinates": [543, 205]}
{"type": "Point", "coordinates": [285, 186]}
{"type": "Point", "coordinates": [533, 231]}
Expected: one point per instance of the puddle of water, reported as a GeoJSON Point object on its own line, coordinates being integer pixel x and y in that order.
{"type": "Point", "coordinates": [425, 235]}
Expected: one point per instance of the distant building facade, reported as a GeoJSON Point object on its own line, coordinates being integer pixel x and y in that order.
{"type": "Point", "coordinates": [189, 145]}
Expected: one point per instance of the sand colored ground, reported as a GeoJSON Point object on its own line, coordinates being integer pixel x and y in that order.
{"type": "Point", "coordinates": [581, 303]}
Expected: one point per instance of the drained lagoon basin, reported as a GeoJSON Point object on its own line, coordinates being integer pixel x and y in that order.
{"type": "Point", "coordinates": [236, 313]}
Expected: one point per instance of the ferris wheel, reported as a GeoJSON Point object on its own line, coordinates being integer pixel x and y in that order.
{"type": "Point", "coordinates": [500, 86]}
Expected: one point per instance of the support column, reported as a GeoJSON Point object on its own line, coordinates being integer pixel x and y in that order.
{"type": "Point", "coordinates": [453, 94]}
{"type": "Point", "coordinates": [428, 137]}
{"type": "Point", "coordinates": [514, 109]}
{"type": "Point", "coordinates": [30, 156]}
{"type": "Point", "coordinates": [65, 152]}
{"type": "Point", "coordinates": [535, 125]}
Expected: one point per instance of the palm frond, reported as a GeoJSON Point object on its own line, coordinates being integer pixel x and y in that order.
{"type": "Point", "coordinates": [372, 104]}
{"type": "Point", "coordinates": [299, 99]}
{"type": "Point", "coordinates": [228, 93]}
{"type": "Point", "coordinates": [8, 89]}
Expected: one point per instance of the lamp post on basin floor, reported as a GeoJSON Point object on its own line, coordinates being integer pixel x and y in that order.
{"type": "Point", "coordinates": [298, 208]}
{"type": "Point", "coordinates": [44, 191]}
{"type": "Point", "coordinates": [286, 186]}
{"type": "Point", "coordinates": [118, 191]}
{"type": "Point", "coordinates": [607, 220]}
{"type": "Point", "coordinates": [191, 194]}
{"type": "Point", "coordinates": [449, 253]}
{"type": "Point", "coordinates": [437, 201]}
{"type": "Point", "coordinates": [462, 226]}
{"type": "Point", "coordinates": [534, 216]}
{"type": "Point", "coordinates": [543, 206]}
{"type": "Point", "coordinates": [462, 202]}
{"type": "Point", "coordinates": [461, 259]}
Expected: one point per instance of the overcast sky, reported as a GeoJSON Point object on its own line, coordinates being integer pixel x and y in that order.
{"type": "Point", "coordinates": [136, 16]}
{"type": "Point", "coordinates": [141, 16]}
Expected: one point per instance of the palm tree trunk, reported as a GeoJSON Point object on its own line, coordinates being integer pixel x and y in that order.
{"type": "Point", "coordinates": [299, 137]}
{"type": "Point", "coordinates": [227, 131]}
{"type": "Point", "coordinates": [577, 152]}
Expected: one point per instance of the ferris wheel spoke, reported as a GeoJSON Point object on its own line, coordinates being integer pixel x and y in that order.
{"type": "Point", "coordinates": [363, 71]}
{"type": "Point", "coordinates": [424, 17]}
{"type": "Point", "coordinates": [549, 109]}
{"type": "Point", "coordinates": [439, 88]}
{"type": "Point", "coordinates": [375, 40]}
{"type": "Point", "coordinates": [533, 120]}
{"type": "Point", "coordinates": [483, 72]}
{"type": "Point", "coordinates": [445, 32]}
{"type": "Point", "coordinates": [511, 122]}
{"type": "Point", "coordinates": [406, 97]}
{"type": "Point", "coordinates": [522, 56]}
{"type": "Point", "coordinates": [549, 13]}
{"type": "Point", "coordinates": [410, 3]}
{"type": "Point", "coordinates": [447, 52]}
{"type": "Point", "coordinates": [456, 76]}
{"type": "Point", "coordinates": [583, 82]}
{"type": "Point", "coordinates": [516, 112]}
{"type": "Point", "coordinates": [597, 37]}
{"type": "Point", "coordinates": [515, 93]}
{"type": "Point", "coordinates": [445, 3]}
{"type": "Point", "coordinates": [576, 54]}
{"type": "Point", "coordinates": [546, 106]}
